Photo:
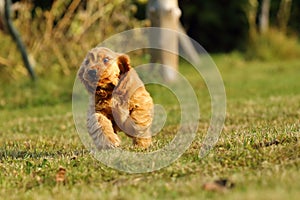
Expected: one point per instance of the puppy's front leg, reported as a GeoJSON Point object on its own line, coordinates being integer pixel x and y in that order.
{"type": "Point", "coordinates": [101, 130]}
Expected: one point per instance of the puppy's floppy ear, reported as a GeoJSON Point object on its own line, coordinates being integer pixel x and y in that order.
{"type": "Point", "coordinates": [80, 73]}
{"type": "Point", "coordinates": [124, 63]}
{"type": "Point", "coordinates": [80, 76]}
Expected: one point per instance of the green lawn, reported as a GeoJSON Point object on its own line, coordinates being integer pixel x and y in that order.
{"type": "Point", "coordinates": [258, 150]}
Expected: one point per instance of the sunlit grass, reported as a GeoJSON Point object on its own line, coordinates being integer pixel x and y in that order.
{"type": "Point", "coordinates": [258, 150]}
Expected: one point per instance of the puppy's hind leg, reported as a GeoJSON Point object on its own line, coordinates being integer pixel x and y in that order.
{"type": "Point", "coordinates": [142, 140]}
{"type": "Point", "coordinates": [101, 130]}
{"type": "Point", "coordinates": [143, 143]}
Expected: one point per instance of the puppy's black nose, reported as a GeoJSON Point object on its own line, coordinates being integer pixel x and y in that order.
{"type": "Point", "coordinates": [92, 73]}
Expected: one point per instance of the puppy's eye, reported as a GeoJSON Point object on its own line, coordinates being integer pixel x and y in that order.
{"type": "Point", "coordinates": [87, 61]}
{"type": "Point", "coordinates": [105, 60]}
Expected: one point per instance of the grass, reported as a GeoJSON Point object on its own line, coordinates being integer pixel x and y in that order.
{"type": "Point", "coordinates": [258, 150]}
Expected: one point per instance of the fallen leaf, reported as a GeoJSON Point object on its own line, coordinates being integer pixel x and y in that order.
{"type": "Point", "coordinates": [74, 157]}
{"type": "Point", "coordinates": [224, 182]}
{"type": "Point", "coordinates": [61, 175]}
{"type": "Point", "coordinates": [221, 185]}
{"type": "Point", "coordinates": [27, 144]}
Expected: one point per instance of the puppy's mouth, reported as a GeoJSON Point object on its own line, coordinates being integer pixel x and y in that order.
{"type": "Point", "coordinates": [91, 83]}
{"type": "Point", "coordinates": [90, 88]}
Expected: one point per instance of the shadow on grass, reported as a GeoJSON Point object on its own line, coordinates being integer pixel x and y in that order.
{"type": "Point", "coordinates": [17, 154]}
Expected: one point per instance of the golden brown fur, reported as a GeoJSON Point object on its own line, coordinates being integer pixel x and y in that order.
{"type": "Point", "coordinates": [118, 99]}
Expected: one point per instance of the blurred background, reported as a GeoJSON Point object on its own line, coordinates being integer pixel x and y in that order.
{"type": "Point", "coordinates": [254, 43]}
{"type": "Point", "coordinates": [57, 34]}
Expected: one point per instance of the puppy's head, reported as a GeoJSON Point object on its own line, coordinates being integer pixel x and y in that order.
{"type": "Point", "coordinates": [102, 67]}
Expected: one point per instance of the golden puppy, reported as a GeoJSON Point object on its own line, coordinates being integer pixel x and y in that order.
{"type": "Point", "coordinates": [118, 99]}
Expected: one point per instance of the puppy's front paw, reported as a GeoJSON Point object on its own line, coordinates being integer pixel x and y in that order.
{"type": "Point", "coordinates": [102, 133]}
{"type": "Point", "coordinates": [104, 141]}
{"type": "Point", "coordinates": [114, 140]}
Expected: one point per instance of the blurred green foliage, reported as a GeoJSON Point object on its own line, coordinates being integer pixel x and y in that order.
{"type": "Point", "coordinates": [58, 37]}
{"type": "Point", "coordinates": [273, 46]}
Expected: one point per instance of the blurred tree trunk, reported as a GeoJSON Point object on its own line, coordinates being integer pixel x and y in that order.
{"type": "Point", "coordinates": [2, 16]}
{"type": "Point", "coordinates": [251, 13]}
{"type": "Point", "coordinates": [264, 16]}
{"type": "Point", "coordinates": [283, 14]}
{"type": "Point", "coordinates": [165, 14]}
